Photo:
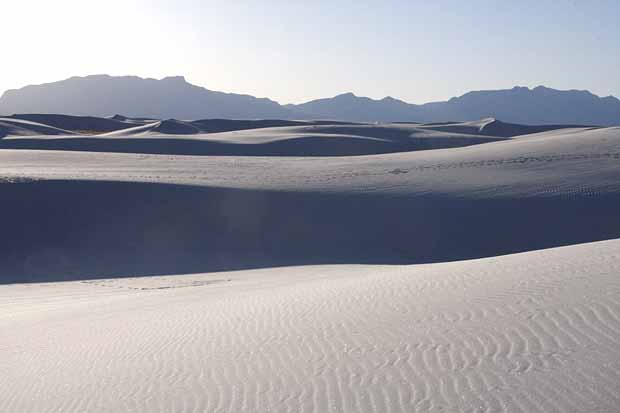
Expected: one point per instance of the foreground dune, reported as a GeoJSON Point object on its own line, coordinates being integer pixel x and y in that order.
{"type": "Point", "coordinates": [530, 332]}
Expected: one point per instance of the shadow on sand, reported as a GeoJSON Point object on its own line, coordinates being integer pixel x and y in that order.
{"type": "Point", "coordinates": [64, 230]}
{"type": "Point", "coordinates": [298, 146]}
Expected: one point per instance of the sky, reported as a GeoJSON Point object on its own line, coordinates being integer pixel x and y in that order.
{"type": "Point", "coordinates": [294, 51]}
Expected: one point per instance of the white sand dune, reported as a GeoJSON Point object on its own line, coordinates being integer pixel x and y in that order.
{"type": "Point", "coordinates": [78, 124]}
{"type": "Point", "coordinates": [481, 278]}
{"type": "Point", "coordinates": [225, 137]}
{"type": "Point", "coordinates": [200, 138]}
{"type": "Point", "coordinates": [88, 215]}
{"type": "Point", "coordinates": [19, 127]}
{"type": "Point", "coordinates": [531, 332]}
{"type": "Point", "coordinates": [493, 127]}
{"type": "Point", "coordinates": [169, 126]}
{"type": "Point", "coordinates": [134, 120]}
{"type": "Point", "coordinates": [178, 127]}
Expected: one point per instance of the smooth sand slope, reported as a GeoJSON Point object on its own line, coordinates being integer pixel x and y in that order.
{"type": "Point", "coordinates": [531, 332]}
{"type": "Point", "coordinates": [77, 215]}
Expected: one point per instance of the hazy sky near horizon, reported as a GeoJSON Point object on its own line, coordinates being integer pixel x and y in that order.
{"type": "Point", "coordinates": [294, 51]}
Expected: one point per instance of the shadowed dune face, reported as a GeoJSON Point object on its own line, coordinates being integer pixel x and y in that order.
{"type": "Point", "coordinates": [222, 137]}
{"type": "Point", "coordinates": [68, 215]}
{"type": "Point", "coordinates": [58, 230]}
{"type": "Point", "coordinates": [189, 138]}
{"type": "Point", "coordinates": [494, 127]}
{"type": "Point", "coordinates": [226, 125]}
{"type": "Point", "coordinates": [19, 127]}
{"type": "Point", "coordinates": [302, 145]}
{"type": "Point", "coordinates": [78, 124]}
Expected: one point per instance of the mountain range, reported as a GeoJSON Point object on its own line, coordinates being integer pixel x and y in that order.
{"type": "Point", "coordinates": [174, 97]}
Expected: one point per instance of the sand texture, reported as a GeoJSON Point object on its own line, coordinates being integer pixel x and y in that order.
{"type": "Point", "coordinates": [285, 266]}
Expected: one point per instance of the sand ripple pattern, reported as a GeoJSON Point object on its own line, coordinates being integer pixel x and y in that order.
{"type": "Point", "coordinates": [531, 332]}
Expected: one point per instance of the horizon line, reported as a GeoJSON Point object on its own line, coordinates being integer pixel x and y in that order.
{"type": "Point", "coordinates": [184, 79]}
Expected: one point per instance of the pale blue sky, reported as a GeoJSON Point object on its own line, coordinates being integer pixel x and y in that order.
{"type": "Point", "coordinates": [293, 51]}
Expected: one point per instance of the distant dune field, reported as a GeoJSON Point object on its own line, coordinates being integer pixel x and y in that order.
{"type": "Point", "coordinates": [246, 137]}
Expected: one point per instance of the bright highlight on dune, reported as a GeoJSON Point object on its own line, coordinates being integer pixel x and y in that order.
{"type": "Point", "coordinates": [536, 331]}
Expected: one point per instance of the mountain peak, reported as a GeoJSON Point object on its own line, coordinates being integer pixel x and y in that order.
{"type": "Point", "coordinates": [348, 95]}
{"type": "Point", "coordinates": [180, 79]}
{"type": "Point", "coordinates": [170, 97]}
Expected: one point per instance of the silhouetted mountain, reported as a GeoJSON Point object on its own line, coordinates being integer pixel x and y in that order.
{"type": "Point", "coordinates": [103, 95]}
{"type": "Point", "coordinates": [173, 97]}
{"type": "Point", "coordinates": [350, 107]}
{"type": "Point", "coordinates": [540, 105]}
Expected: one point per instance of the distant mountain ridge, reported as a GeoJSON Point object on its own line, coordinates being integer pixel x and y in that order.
{"type": "Point", "coordinates": [103, 95]}
{"type": "Point", "coordinates": [522, 105]}
{"type": "Point", "coordinates": [174, 97]}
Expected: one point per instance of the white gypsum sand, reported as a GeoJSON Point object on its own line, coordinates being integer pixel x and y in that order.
{"type": "Point", "coordinates": [494, 329]}
{"type": "Point", "coordinates": [536, 331]}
